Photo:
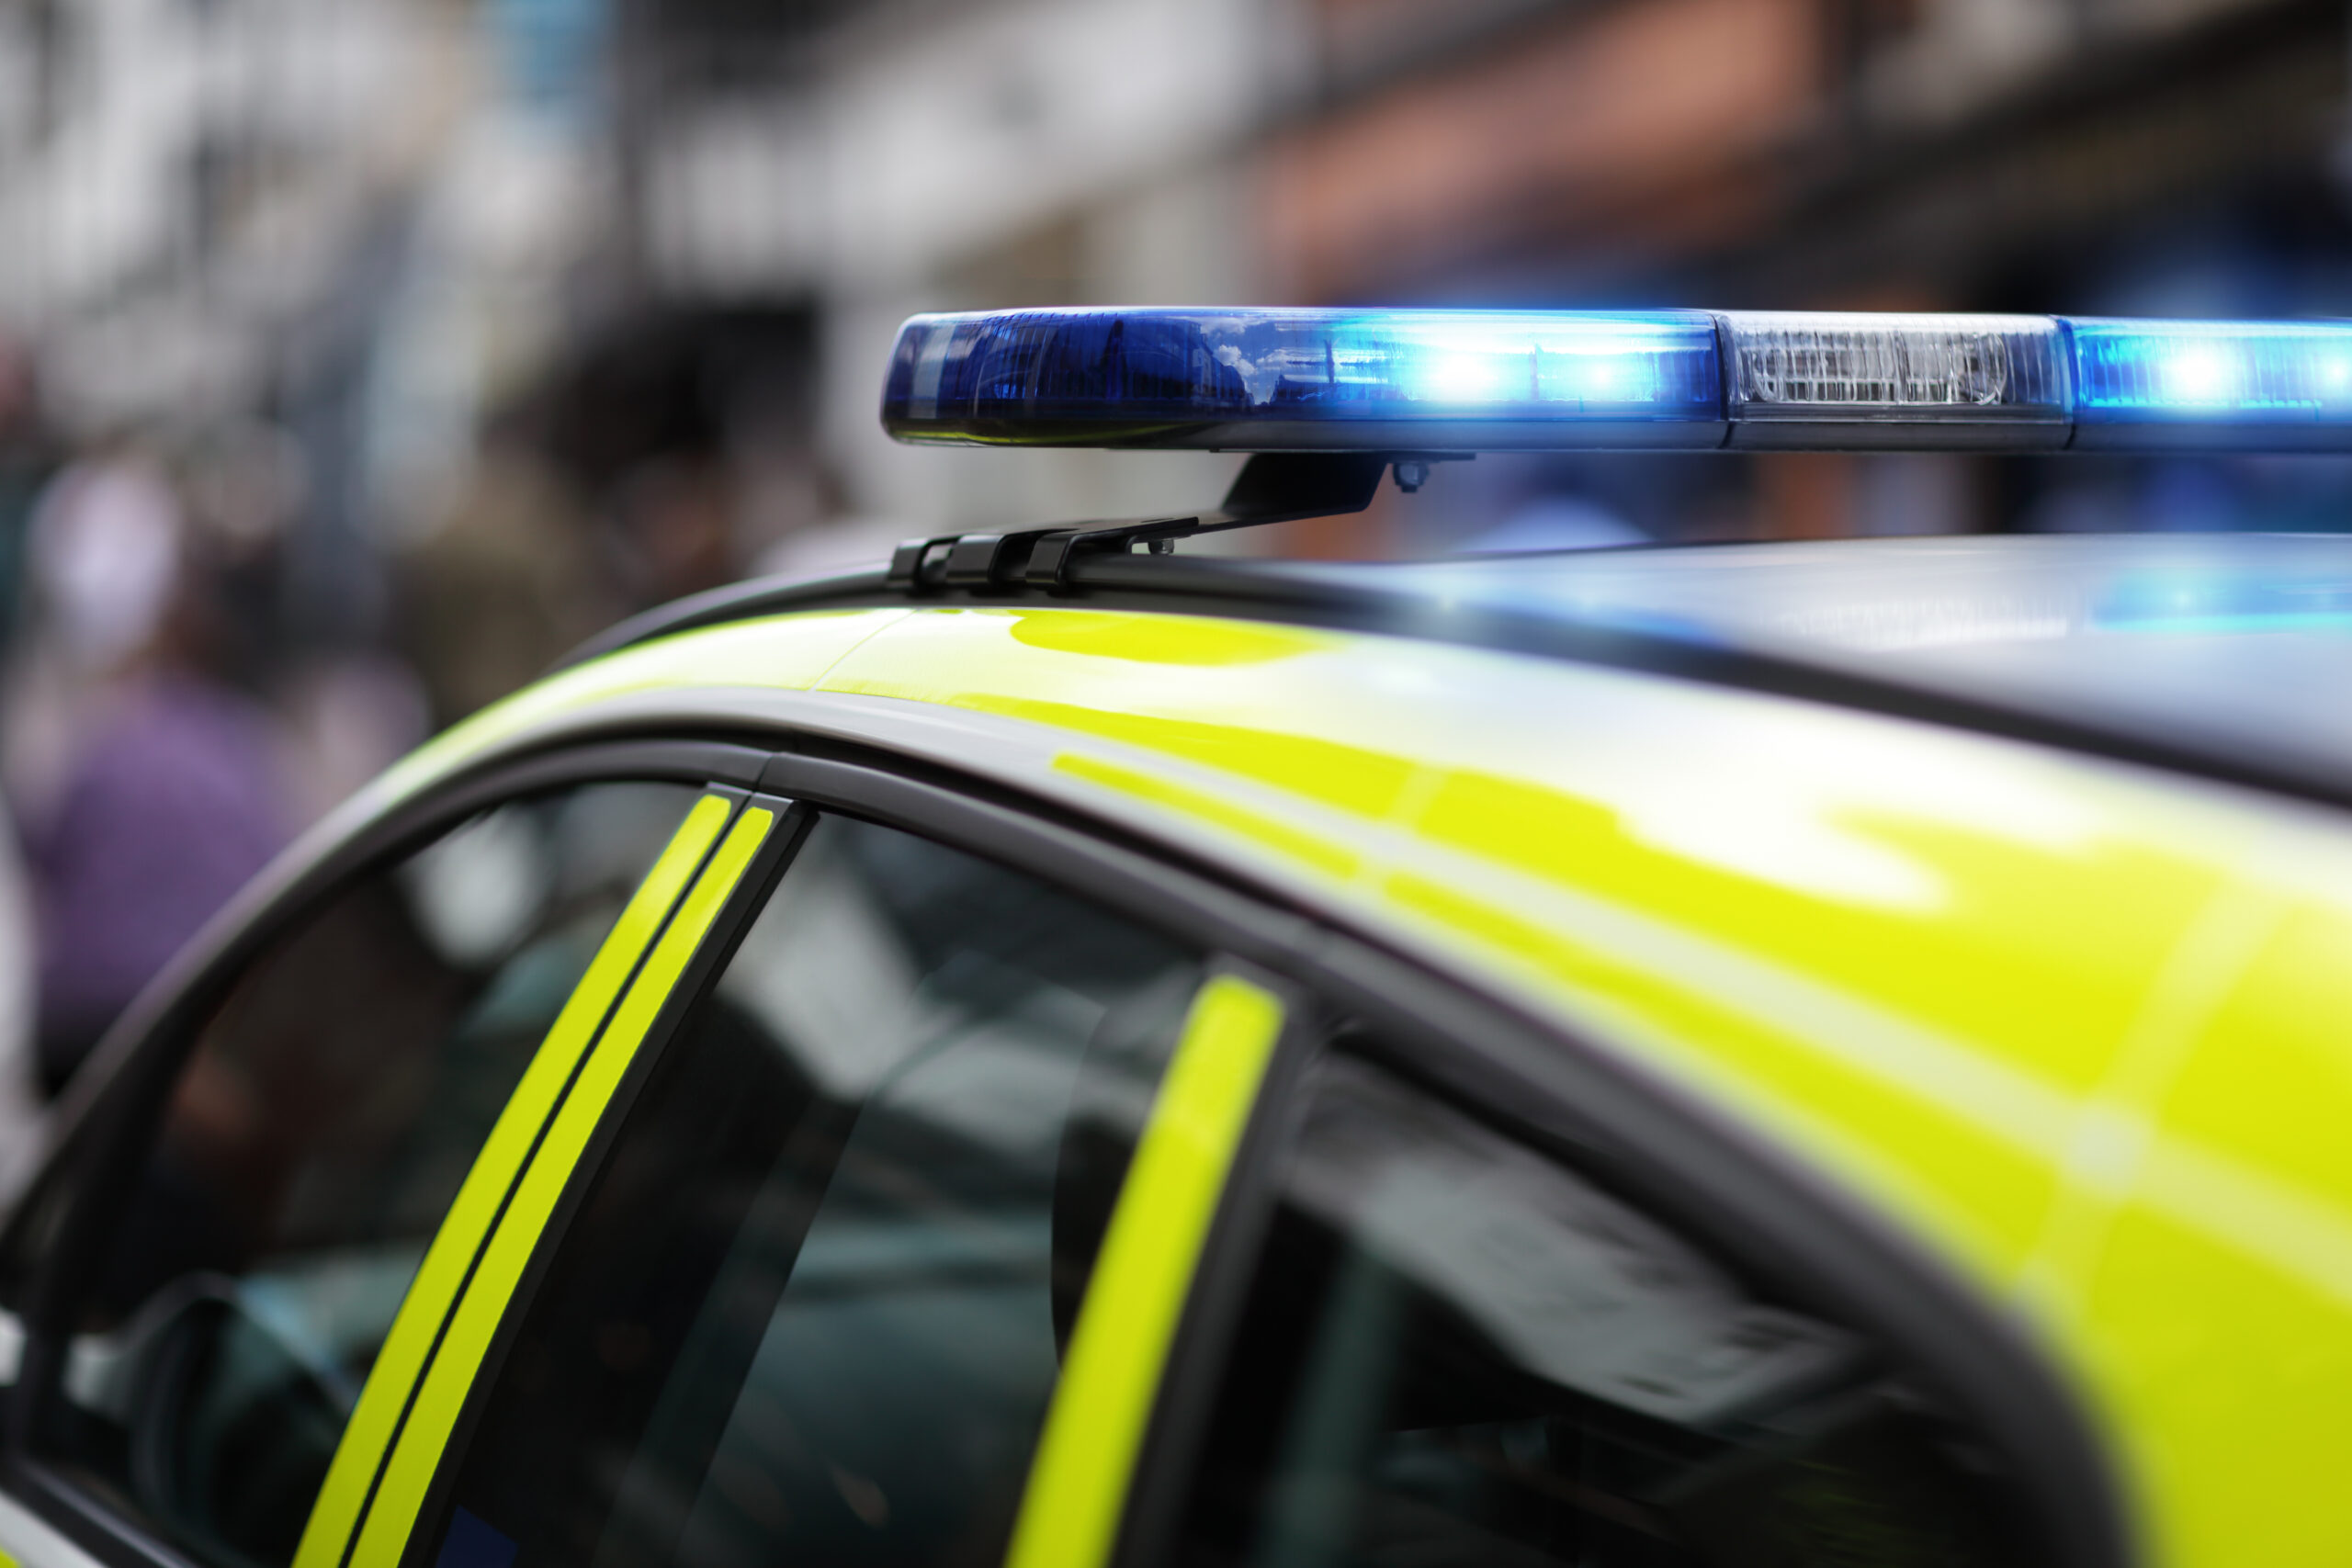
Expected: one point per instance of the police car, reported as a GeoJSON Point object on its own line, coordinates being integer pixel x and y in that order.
{"type": "Point", "coordinates": [1065, 1051]}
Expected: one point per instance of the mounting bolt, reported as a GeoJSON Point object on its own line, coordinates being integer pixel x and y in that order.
{"type": "Point", "coordinates": [1162, 547]}
{"type": "Point", "coordinates": [1412, 473]}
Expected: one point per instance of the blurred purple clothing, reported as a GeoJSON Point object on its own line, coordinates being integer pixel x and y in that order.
{"type": "Point", "coordinates": [172, 806]}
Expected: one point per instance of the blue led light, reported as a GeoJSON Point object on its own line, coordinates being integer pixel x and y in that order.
{"type": "Point", "coordinates": [1318, 378]}
{"type": "Point", "coordinates": [2217, 603]}
{"type": "Point", "coordinates": [1434, 381]}
{"type": "Point", "coordinates": [2210, 380]}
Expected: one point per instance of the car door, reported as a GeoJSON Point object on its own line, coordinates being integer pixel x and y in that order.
{"type": "Point", "coordinates": [853, 1236]}
{"type": "Point", "coordinates": [964, 1218]}
{"type": "Point", "coordinates": [221, 1258]}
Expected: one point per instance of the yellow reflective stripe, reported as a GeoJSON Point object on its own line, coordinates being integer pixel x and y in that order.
{"type": "Point", "coordinates": [361, 1450]}
{"type": "Point", "coordinates": [426, 1432]}
{"type": "Point", "coordinates": [1078, 1483]}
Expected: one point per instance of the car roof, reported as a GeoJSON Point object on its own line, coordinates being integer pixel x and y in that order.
{"type": "Point", "coordinates": [2222, 655]}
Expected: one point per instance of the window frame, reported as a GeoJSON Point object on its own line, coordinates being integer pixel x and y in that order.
{"type": "Point", "coordinates": [111, 1110]}
{"type": "Point", "coordinates": [1543, 1081]}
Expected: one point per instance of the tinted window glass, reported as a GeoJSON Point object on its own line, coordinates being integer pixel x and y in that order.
{"type": "Point", "coordinates": [811, 1311]}
{"type": "Point", "coordinates": [1459, 1351]}
{"type": "Point", "coordinates": [327, 1112]}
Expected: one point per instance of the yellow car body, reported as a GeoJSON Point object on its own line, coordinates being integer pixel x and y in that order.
{"type": "Point", "coordinates": [2083, 1028]}
{"type": "Point", "coordinates": [2077, 1027]}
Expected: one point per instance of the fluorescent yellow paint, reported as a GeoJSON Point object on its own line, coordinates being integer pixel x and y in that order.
{"type": "Point", "coordinates": [788, 653]}
{"type": "Point", "coordinates": [425, 1434]}
{"type": "Point", "coordinates": [2080, 1027]}
{"type": "Point", "coordinates": [2219, 1303]}
{"type": "Point", "coordinates": [1078, 1483]}
{"type": "Point", "coordinates": [1160, 640]}
{"type": "Point", "coordinates": [1997, 910]}
{"type": "Point", "coordinates": [360, 1453]}
{"type": "Point", "coordinates": [1333, 857]}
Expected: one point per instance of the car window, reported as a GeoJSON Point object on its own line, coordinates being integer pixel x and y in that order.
{"type": "Point", "coordinates": [327, 1111]}
{"type": "Point", "coordinates": [1458, 1350]}
{"type": "Point", "coordinates": [812, 1307]}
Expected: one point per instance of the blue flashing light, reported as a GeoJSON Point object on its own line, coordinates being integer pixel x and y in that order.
{"type": "Point", "coordinates": [2205, 383]}
{"type": "Point", "coordinates": [1428, 379]}
{"type": "Point", "coordinates": [2215, 603]}
{"type": "Point", "coordinates": [1434, 381]}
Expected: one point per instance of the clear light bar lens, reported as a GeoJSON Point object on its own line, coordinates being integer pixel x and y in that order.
{"type": "Point", "coordinates": [2230, 372]}
{"type": "Point", "coordinates": [1805, 365]}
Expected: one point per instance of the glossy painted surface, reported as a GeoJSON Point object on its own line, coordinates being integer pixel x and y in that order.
{"type": "Point", "coordinates": [2086, 1030]}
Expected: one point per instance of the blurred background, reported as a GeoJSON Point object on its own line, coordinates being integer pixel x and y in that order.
{"type": "Point", "coordinates": [357, 356]}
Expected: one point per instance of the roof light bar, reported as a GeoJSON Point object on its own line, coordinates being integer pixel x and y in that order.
{"type": "Point", "coordinates": [1408, 381]}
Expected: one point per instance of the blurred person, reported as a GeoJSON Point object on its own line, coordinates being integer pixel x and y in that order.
{"type": "Point", "coordinates": [28, 459]}
{"type": "Point", "coordinates": [346, 712]}
{"type": "Point", "coordinates": [505, 584]}
{"type": "Point", "coordinates": [241, 484]}
{"type": "Point", "coordinates": [150, 787]}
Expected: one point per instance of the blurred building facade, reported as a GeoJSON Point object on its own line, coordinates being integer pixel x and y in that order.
{"type": "Point", "coordinates": [2119, 156]}
{"type": "Point", "coordinates": [667, 240]}
{"type": "Point", "coordinates": [2165, 156]}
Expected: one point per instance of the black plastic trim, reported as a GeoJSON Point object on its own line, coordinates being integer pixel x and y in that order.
{"type": "Point", "coordinates": [1272, 487]}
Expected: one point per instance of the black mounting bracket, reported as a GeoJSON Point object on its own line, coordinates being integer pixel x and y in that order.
{"type": "Point", "coordinates": [1272, 487]}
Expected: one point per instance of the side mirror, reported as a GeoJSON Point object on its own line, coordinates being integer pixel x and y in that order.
{"type": "Point", "coordinates": [230, 1429]}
